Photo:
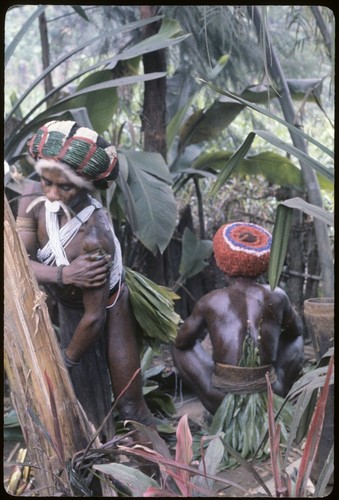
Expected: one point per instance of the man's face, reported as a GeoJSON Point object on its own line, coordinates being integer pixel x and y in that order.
{"type": "Point", "coordinates": [57, 187]}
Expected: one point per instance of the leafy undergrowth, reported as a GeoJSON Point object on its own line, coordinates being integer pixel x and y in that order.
{"type": "Point", "coordinates": [188, 461]}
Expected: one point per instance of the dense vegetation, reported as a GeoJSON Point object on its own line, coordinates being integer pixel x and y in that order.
{"type": "Point", "coordinates": [219, 113]}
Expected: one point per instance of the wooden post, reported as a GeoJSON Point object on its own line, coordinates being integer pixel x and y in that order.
{"type": "Point", "coordinates": [36, 372]}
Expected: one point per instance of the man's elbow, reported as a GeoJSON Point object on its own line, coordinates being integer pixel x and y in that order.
{"type": "Point", "coordinates": [182, 343]}
{"type": "Point", "coordinates": [95, 322]}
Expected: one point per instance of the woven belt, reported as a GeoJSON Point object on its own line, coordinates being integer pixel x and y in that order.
{"type": "Point", "coordinates": [242, 380]}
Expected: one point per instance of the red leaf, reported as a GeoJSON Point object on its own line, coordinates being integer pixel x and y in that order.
{"type": "Point", "coordinates": [184, 453]}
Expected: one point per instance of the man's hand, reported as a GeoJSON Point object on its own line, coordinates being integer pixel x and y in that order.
{"type": "Point", "coordinates": [90, 270]}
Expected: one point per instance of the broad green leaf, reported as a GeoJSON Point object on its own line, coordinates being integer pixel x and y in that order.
{"type": "Point", "coordinates": [309, 381]}
{"type": "Point", "coordinates": [276, 168]}
{"type": "Point", "coordinates": [207, 124]}
{"type": "Point", "coordinates": [170, 33]}
{"type": "Point", "coordinates": [155, 207]}
{"type": "Point", "coordinates": [59, 108]}
{"type": "Point", "coordinates": [175, 123]}
{"type": "Point", "coordinates": [316, 165]}
{"type": "Point", "coordinates": [100, 105]}
{"type": "Point", "coordinates": [310, 209]}
{"type": "Point", "coordinates": [259, 94]}
{"type": "Point", "coordinates": [231, 164]}
{"type": "Point", "coordinates": [125, 198]}
{"type": "Point", "coordinates": [302, 415]}
{"type": "Point", "coordinates": [280, 237]}
{"type": "Point", "coordinates": [210, 462]}
{"type": "Point", "coordinates": [133, 479]}
{"type": "Point", "coordinates": [306, 88]}
{"type": "Point", "coordinates": [194, 253]}
{"type": "Point", "coordinates": [263, 111]}
{"type": "Point", "coordinates": [63, 84]}
{"type": "Point", "coordinates": [146, 360]}
{"type": "Point", "coordinates": [120, 29]}
{"type": "Point", "coordinates": [117, 82]}
{"type": "Point", "coordinates": [187, 129]}
{"type": "Point", "coordinates": [147, 389]}
{"type": "Point", "coordinates": [164, 403]}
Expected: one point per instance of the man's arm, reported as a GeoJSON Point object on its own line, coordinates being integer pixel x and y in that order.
{"type": "Point", "coordinates": [82, 272]}
{"type": "Point", "coordinates": [91, 325]}
{"type": "Point", "coordinates": [290, 352]}
{"type": "Point", "coordinates": [291, 326]}
{"type": "Point", "coordinates": [191, 329]}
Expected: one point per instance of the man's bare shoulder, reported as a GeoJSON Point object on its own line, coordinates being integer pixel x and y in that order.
{"type": "Point", "coordinates": [219, 292]}
{"type": "Point", "coordinates": [98, 232]}
{"type": "Point", "coordinates": [213, 299]}
{"type": "Point", "coordinates": [277, 295]}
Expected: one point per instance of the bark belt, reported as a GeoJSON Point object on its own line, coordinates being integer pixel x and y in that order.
{"type": "Point", "coordinates": [242, 380]}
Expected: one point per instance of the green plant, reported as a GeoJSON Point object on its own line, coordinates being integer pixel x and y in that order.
{"type": "Point", "coordinates": [143, 194]}
{"type": "Point", "coordinates": [242, 418]}
{"type": "Point", "coordinates": [157, 400]}
{"type": "Point", "coordinates": [284, 212]}
{"type": "Point", "coordinates": [285, 484]}
{"type": "Point", "coordinates": [179, 477]}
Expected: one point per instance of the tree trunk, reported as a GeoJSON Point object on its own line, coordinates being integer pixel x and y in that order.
{"type": "Point", "coordinates": [154, 125]}
{"type": "Point", "coordinates": [154, 112]}
{"type": "Point", "coordinates": [53, 423]}
{"type": "Point", "coordinates": [45, 51]}
{"type": "Point", "coordinates": [309, 176]}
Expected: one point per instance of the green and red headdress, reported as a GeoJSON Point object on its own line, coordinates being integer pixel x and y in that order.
{"type": "Point", "coordinates": [85, 156]}
{"type": "Point", "coordinates": [242, 249]}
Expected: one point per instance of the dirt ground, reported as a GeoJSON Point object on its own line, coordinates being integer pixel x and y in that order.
{"type": "Point", "coordinates": [198, 416]}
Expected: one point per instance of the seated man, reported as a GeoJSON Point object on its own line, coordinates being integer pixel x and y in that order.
{"type": "Point", "coordinates": [245, 309]}
{"type": "Point", "coordinates": [72, 246]}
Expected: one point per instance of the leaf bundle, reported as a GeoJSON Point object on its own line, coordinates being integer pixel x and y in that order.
{"type": "Point", "coordinates": [243, 417]}
{"type": "Point", "coordinates": [153, 307]}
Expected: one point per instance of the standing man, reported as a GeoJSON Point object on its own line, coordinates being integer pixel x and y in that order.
{"type": "Point", "coordinates": [247, 310]}
{"type": "Point", "coordinates": [72, 246]}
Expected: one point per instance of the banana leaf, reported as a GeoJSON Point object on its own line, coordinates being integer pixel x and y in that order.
{"type": "Point", "coordinates": [264, 112]}
{"type": "Point", "coordinates": [149, 182]}
{"type": "Point", "coordinates": [194, 253]}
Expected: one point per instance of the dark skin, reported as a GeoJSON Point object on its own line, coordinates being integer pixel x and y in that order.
{"type": "Point", "coordinates": [227, 314]}
{"type": "Point", "coordinates": [90, 279]}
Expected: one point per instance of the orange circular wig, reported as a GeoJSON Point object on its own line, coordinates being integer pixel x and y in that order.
{"type": "Point", "coordinates": [242, 249]}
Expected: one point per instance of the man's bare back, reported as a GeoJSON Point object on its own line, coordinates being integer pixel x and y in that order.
{"type": "Point", "coordinates": [227, 315]}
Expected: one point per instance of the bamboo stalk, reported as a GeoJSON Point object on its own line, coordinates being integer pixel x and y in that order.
{"type": "Point", "coordinates": [53, 422]}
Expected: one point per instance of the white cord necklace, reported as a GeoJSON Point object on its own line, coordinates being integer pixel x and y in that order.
{"type": "Point", "coordinates": [54, 250]}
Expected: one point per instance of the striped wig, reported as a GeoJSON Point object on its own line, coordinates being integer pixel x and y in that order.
{"type": "Point", "coordinates": [85, 157]}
